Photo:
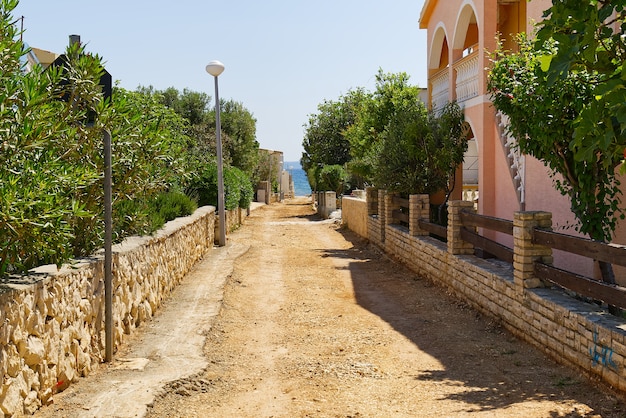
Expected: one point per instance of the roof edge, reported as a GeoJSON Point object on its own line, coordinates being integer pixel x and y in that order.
{"type": "Point", "coordinates": [427, 11]}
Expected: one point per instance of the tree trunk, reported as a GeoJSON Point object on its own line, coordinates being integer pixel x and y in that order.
{"type": "Point", "coordinates": [608, 276]}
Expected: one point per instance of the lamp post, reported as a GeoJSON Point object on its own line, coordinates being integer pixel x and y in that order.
{"type": "Point", "coordinates": [215, 68]}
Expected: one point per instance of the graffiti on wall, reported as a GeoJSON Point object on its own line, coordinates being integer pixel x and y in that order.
{"type": "Point", "coordinates": [601, 354]}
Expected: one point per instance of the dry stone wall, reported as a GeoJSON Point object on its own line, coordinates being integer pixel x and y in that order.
{"type": "Point", "coordinates": [52, 321]}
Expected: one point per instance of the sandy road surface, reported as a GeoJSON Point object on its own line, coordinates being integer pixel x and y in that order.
{"type": "Point", "coordinates": [316, 323]}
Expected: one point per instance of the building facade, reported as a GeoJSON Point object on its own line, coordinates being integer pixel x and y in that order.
{"type": "Point", "coordinates": [462, 34]}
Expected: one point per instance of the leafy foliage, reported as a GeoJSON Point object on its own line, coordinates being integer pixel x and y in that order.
{"type": "Point", "coordinates": [239, 144]}
{"type": "Point", "coordinates": [40, 139]}
{"type": "Point", "coordinates": [172, 204]}
{"type": "Point", "coordinates": [544, 116]}
{"type": "Point", "coordinates": [386, 138]}
{"type": "Point", "coordinates": [420, 151]}
{"type": "Point", "coordinates": [589, 39]}
{"type": "Point", "coordinates": [328, 177]}
{"type": "Point", "coordinates": [324, 139]}
{"type": "Point", "coordinates": [238, 190]}
{"type": "Point", "coordinates": [51, 160]}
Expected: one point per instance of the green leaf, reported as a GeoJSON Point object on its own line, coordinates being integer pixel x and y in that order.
{"type": "Point", "coordinates": [545, 61]}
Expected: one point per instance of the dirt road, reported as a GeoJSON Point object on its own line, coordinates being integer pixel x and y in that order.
{"type": "Point", "coordinates": [316, 323]}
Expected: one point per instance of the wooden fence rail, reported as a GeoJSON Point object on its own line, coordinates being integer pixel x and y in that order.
{"type": "Point", "coordinates": [488, 222]}
{"type": "Point", "coordinates": [584, 286]}
{"type": "Point", "coordinates": [581, 246]}
{"type": "Point", "coordinates": [433, 228]}
{"type": "Point", "coordinates": [611, 294]}
{"type": "Point", "coordinates": [500, 251]}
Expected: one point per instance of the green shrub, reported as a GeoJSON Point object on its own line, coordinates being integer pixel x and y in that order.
{"type": "Point", "coordinates": [238, 190]}
{"type": "Point", "coordinates": [203, 185]}
{"type": "Point", "coordinates": [172, 204]}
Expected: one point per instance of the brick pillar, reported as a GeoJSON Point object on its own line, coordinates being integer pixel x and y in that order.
{"type": "Point", "coordinates": [389, 208]}
{"type": "Point", "coordinates": [381, 205]}
{"type": "Point", "coordinates": [371, 195]}
{"type": "Point", "coordinates": [456, 245]}
{"type": "Point", "coordinates": [525, 252]}
{"type": "Point", "coordinates": [419, 208]}
{"type": "Point", "coordinates": [381, 213]}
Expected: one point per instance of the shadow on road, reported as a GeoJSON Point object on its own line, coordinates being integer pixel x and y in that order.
{"type": "Point", "coordinates": [481, 364]}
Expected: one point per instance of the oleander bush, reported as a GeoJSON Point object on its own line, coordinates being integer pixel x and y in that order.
{"type": "Point", "coordinates": [51, 158]}
{"type": "Point", "coordinates": [52, 122]}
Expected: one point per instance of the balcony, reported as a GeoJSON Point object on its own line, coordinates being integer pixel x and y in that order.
{"type": "Point", "coordinates": [467, 72]}
{"type": "Point", "coordinates": [440, 89]}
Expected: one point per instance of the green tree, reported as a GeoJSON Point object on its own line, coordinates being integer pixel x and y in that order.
{"type": "Point", "coordinates": [191, 105]}
{"type": "Point", "coordinates": [420, 150]}
{"type": "Point", "coordinates": [240, 142]}
{"type": "Point", "coordinates": [51, 156]}
{"type": "Point", "coordinates": [373, 117]}
{"type": "Point", "coordinates": [544, 115]}
{"type": "Point", "coordinates": [589, 38]}
{"type": "Point", "coordinates": [150, 150]}
{"type": "Point", "coordinates": [324, 139]}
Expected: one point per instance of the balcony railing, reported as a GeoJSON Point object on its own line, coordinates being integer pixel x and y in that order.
{"type": "Point", "coordinates": [467, 72]}
{"type": "Point", "coordinates": [440, 89]}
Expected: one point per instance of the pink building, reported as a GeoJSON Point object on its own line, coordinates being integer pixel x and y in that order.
{"type": "Point", "coordinates": [461, 35]}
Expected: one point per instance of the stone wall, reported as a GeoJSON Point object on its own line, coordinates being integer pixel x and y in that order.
{"type": "Point", "coordinates": [354, 214]}
{"type": "Point", "coordinates": [575, 333]}
{"type": "Point", "coordinates": [326, 203]}
{"type": "Point", "coordinates": [234, 219]}
{"type": "Point", "coordinates": [52, 321]}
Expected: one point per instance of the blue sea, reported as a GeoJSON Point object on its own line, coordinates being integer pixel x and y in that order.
{"type": "Point", "coordinates": [300, 182]}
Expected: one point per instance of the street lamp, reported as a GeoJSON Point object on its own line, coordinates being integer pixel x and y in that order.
{"type": "Point", "coordinates": [215, 68]}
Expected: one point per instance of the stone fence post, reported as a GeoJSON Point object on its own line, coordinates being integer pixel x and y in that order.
{"type": "Point", "coordinates": [389, 208]}
{"type": "Point", "coordinates": [381, 206]}
{"type": "Point", "coordinates": [371, 196]}
{"type": "Point", "coordinates": [419, 208]}
{"type": "Point", "coordinates": [525, 253]}
{"type": "Point", "coordinates": [456, 245]}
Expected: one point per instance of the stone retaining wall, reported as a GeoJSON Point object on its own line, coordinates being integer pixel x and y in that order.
{"type": "Point", "coordinates": [355, 216]}
{"type": "Point", "coordinates": [581, 335]}
{"type": "Point", "coordinates": [52, 322]}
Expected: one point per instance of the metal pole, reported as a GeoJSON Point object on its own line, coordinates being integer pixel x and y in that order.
{"type": "Point", "coordinates": [220, 170]}
{"type": "Point", "coordinates": [108, 254]}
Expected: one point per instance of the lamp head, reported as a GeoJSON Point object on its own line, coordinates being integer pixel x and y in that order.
{"type": "Point", "coordinates": [215, 68]}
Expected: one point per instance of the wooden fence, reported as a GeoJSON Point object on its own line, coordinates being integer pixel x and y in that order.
{"type": "Point", "coordinates": [588, 287]}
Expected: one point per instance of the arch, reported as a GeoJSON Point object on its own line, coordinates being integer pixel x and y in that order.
{"type": "Point", "coordinates": [438, 46]}
{"type": "Point", "coordinates": [470, 167]}
{"type": "Point", "coordinates": [466, 33]}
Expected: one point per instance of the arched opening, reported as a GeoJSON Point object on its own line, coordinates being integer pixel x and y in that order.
{"type": "Point", "coordinates": [470, 169]}
{"type": "Point", "coordinates": [465, 52]}
{"type": "Point", "coordinates": [511, 21]}
{"type": "Point", "coordinates": [439, 61]}
{"type": "Point", "coordinates": [439, 51]}
{"type": "Point", "coordinates": [466, 35]}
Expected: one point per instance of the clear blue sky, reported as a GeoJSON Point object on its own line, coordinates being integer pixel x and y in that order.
{"type": "Point", "coordinates": [282, 57]}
